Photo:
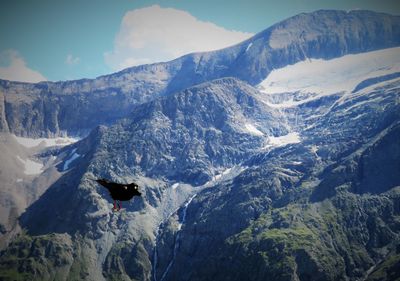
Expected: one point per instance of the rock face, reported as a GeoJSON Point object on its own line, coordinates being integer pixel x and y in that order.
{"type": "Point", "coordinates": [236, 185]}
{"type": "Point", "coordinates": [323, 209]}
{"type": "Point", "coordinates": [76, 107]}
{"type": "Point", "coordinates": [186, 137]}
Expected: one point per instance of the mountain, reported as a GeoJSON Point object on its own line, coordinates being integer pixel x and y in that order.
{"type": "Point", "coordinates": [323, 209]}
{"type": "Point", "coordinates": [275, 159]}
{"type": "Point", "coordinates": [75, 107]}
{"type": "Point", "coordinates": [24, 177]}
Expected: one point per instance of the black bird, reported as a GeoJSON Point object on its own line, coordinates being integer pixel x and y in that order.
{"type": "Point", "coordinates": [120, 192]}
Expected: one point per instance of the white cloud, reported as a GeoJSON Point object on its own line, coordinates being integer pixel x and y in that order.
{"type": "Point", "coordinates": [155, 34]}
{"type": "Point", "coordinates": [15, 68]}
{"type": "Point", "coordinates": [71, 60]}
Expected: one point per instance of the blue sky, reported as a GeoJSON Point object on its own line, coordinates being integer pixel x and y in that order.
{"type": "Point", "coordinates": [63, 40]}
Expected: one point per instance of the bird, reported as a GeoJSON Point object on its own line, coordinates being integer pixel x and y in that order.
{"type": "Point", "coordinates": [120, 192]}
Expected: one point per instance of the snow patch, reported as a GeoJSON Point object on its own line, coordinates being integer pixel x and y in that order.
{"type": "Point", "coordinates": [226, 175]}
{"type": "Point", "coordinates": [283, 140]}
{"type": "Point", "coordinates": [331, 76]}
{"type": "Point", "coordinates": [314, 149]}
{"type": "Point", "coordinates": [73, 157]}
{"type": "Point", "coordinates": [253, 130]}
{"type": "Point", "coordinates": [248, 47]}
{"type": "Point", "coordinates": [175, 185]}
{"type": "Point", "coordinates": [31, 167]}
{"type": "Point", "coordinates": [30, 142]}
{"type": "Point", "coordinates": [359, 104]}
{"type": "Point", "coordinates": [219, 176]}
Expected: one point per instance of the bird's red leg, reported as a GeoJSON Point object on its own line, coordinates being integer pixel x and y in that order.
{"type": "Point", "coordinates": [115, 205]}
{"type": "Point", "coordinates": [120, 205]}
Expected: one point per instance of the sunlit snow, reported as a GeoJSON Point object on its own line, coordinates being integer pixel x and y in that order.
{"type": "Point", "coordinates": [283, 140]}
{"type": "Point", "coordinates": [332, 76]}
{"type": "Point", "coordinates": [249, 46]}
{"type": "Point", "coordinates": [253, 130]}
{"type": "Point", "coordinates": [31, 167]}
{"type": "Point", "coordinates": [225, 175]}
{"type": "Point", "coordinates": [30, 142]}
{"type": "Point", "coordinates": [72, 158]}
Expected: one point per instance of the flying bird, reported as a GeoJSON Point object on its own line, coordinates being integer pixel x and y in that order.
{"type": "Point", "coordinates": [120, 192]}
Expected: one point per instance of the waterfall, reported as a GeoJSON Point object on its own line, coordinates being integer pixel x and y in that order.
{"type": "Point", "coordinates": [176, 243]}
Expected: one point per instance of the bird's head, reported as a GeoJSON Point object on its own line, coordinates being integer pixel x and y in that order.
{"type": "Point", "coordinates": [136, 188]}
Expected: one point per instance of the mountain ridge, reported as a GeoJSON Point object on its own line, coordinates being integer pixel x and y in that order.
{"type": "Point", "coordinates": [136, 85]}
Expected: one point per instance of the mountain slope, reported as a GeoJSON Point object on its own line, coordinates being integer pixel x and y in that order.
{"type": "Point", "coordinates": [260, 221]}
{"type": "Point", "coordinates": [180, 140]}
{"type": "Point", "coordinates": [238, 183]}
{"type": "Point", "coordinates": [187, 137]}
{"type": "Point", "coordinates": [76, 107]}
{"type": "Point", "coordinates": [26, 171]}
{"type": "Point", "coordinates": [323, 209]}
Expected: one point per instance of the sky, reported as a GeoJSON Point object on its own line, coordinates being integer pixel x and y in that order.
{"type": "Point", "coordinates": [64, 40]}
